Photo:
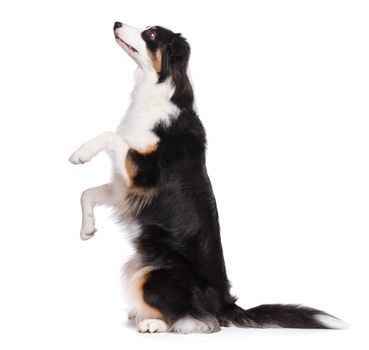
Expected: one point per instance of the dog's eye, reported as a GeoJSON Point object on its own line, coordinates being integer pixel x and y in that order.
{"type": "Point", "coordinates": [151, 34]}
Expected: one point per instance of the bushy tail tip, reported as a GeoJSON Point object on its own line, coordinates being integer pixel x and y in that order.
{"type": "Point", "coordinates": [278, 315]}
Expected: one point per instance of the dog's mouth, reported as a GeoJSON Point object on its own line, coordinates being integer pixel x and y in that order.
{"type": "Point", "coordinates": [129, 46]}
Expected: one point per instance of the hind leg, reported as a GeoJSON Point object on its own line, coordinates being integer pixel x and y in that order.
{"type": "Point", "coordinates": [190, 324]}
{"type": "Point", "coordinates": [172, 294]}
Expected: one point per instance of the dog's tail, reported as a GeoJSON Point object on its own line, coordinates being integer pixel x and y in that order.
{"type": "Point", "coordinates": [277, 315]}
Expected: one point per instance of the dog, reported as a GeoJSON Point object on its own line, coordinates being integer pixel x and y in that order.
{"type": "Point", "coordinates": [160, 189]}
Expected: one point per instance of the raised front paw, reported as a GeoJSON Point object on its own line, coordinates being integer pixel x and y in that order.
{"type": "Point", "coordinates": [81, 156]}
{"type": "Point", "coordinates": [87, 232]}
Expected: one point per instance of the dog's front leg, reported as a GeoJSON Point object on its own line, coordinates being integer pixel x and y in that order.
{"type": "Point", "coordinates": [108, 141]}
{"type": "Point", "coordinates": [108, 195]}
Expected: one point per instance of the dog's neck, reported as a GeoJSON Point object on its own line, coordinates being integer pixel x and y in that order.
{"type": "Point", "coordinates": [149, 91]}
{"type": "Point", "coordinates": [150, 104]}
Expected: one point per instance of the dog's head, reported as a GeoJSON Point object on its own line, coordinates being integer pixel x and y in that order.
{"type": "Point", "coordinates": [154, 49]}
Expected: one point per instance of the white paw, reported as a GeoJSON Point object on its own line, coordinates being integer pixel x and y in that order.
{"type": "Point", "coordinates": [81, 156]}
{"type": "Point", "coordinates": [192, 325]}
{"type": "Point", "coordinates": [152, 325]}
{"type": "Point", "coordinates": [87, 232]}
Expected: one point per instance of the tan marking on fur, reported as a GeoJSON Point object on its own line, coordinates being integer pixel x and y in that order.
{"type": "Point", "coordinates": [143, 308]}
{"type": "Point", "coordinates": [131, 169]}
{"type": "Point", "coordinates": [148, 149]}
{"type": "Point", "coordinates": [156, 59]}
{"type": "Point", "coordinates": [136, 197]}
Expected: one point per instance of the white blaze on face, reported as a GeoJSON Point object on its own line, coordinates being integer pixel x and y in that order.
{"type": "Point", "coordinates": [130, 39]}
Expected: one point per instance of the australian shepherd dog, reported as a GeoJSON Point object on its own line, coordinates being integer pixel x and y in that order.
{"type": "Point", "coordinates": [160, 189]}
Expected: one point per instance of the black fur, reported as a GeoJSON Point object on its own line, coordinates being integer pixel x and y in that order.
{"type": "Point", "coordinates": [175, 54]}
{"type": "Point", "coordinates": [274, 315]}
{"type": "Point", "coordinates": [180, 231]}
{"type": "Point", "coordinates": [149, 171]}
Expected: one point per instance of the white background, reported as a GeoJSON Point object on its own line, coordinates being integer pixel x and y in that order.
{"type": "Point", "coordinates": [282, 88]}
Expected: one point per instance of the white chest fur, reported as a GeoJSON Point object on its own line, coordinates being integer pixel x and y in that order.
{"type": "Point", "coordinates": [150, 105]}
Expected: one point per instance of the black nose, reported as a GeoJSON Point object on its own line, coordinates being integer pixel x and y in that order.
{"type": "Point", "coordinates": [117, 25]}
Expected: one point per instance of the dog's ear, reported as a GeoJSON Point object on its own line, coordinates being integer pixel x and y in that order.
{"type": "Point", "coordinates": [165, 65]}
{"type": "Point", "coordinates": [175, 58]}
{"type": "Point", "coordinates": [179, 47]}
